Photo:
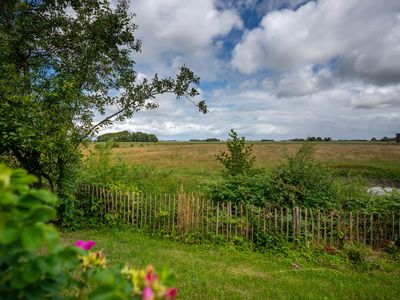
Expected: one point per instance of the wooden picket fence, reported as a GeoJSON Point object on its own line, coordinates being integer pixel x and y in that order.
{"type": "Point", "coordinates": [186, 214]}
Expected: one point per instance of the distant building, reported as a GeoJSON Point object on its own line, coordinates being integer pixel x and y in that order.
{"type": "Point", "coordinates": [397, 137]}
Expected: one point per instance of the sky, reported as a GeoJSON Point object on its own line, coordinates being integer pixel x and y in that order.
{"type": "Point", "coordinates": [273, 69]}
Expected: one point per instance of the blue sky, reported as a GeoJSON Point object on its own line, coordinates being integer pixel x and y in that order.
{"type": "Point", "coordinates": [276, 69]}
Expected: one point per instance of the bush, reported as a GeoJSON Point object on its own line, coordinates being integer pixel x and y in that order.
{"type": "Point", "coordinates": [238, 160]}
{"type": "Point", "coordinates": [25, 272]}
{"type": "Point", "coordinates": [300, 181]}
{"type": "Point", "coordinates": [256, 189]}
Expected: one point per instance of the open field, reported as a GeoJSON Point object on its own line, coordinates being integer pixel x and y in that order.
{"type": "Point", "coordinates": [219, 272]}
{"type": "Point", "coordinates": [195, 163]}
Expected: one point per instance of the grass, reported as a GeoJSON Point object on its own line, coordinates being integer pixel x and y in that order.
{"type": "Point", "coordinates": [193, 164]}
{"type": "Point", "coordinates": [218, 272]}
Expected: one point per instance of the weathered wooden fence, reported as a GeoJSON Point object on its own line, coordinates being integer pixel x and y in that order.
{"type": "Point", "coordinates": [186, 214]}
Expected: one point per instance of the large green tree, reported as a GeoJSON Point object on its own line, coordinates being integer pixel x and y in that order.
{"type": "Point", "coordinates": [62, 62]}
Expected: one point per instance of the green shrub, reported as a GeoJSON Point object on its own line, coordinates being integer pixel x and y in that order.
{"type": "Point", "coordinates": [238, 160]}
{"type": "Point", "coordinates": [300, 181]}
{"type": "Point", "coordinates": [255, 189]}
{"type": "Point", "coordinates": [33, 264]}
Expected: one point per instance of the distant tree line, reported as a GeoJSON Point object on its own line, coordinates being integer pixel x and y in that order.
{"type": "Point", "coordinates": [206, 140]}
{"type": "Point", "coordinates": [126, 136]}
{"type": "Point", "coordinates": [313, 139]}
{"type": "Point", "coordinates": [384, 139]}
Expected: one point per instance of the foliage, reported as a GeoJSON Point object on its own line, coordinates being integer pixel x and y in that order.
{"type": "Point", "coordinates": [35, 265]}
{"type": "Point", "coordinates": [300, 181]}
{"type": "Point", "coordinates": [60, 65]}
{"type": "Point", "coordinates": [256, 189]}
{"type": "Point", "coordinates": [238, 160]}
{"type": "Point", "coordinates": [126, 136]}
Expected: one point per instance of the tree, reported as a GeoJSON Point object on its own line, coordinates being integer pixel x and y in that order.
{"type": "Point", "coordinates": [239, 159]}
{"type": "Point", "coordinates": [61, 63]}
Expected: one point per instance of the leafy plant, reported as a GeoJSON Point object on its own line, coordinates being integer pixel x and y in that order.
{"type": "Point", "coordinates": [253, 189]}
{"type": "Point", "coordinates": [300, 181]}
{"type": "Point", "coordinates": [33, 264]}
{"type": "Point", "coordinates": [239, 159]}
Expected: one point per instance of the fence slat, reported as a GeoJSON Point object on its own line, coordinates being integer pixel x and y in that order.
{"type": "Point", "coordinates": [351, 226]}
{"type": "Point", "coordinates": [312, 225]}
{"type": "Point", "coordinates": [372, 229]}
{"type": "Point", "coordinates": [216, 226]}
{"type": "Point", "coordinates": [305, 225]}
{"type": "Point", "coordinates": [318, 226]}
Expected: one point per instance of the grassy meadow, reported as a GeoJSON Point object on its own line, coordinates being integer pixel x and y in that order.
{"type": "Point", "coordinates": [220, 272]}
{"type": "Point", "coordinates": [191, 164]}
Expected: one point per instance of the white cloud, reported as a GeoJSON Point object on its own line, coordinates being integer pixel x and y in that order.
{"type": "Point", "coordinates": [304, 82]}
{"type": "Point", "coordinates": [365, 34]}
{"type": "Point", "coordinates": [373, 97]}
{"type": "Point", "coordinates": [179, 28]}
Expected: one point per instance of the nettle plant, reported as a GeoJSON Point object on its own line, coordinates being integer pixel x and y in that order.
{"type": "Point", "coordinates": [35, 265]}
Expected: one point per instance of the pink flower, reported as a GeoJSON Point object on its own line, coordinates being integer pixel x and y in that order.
{"type": "Point", "coordinates": [85, 245]}
{"type": "Point", "coordinates": [147, 294]}
{"type": "Point", "coordinates": [171, 293]}
{"type": "Point", "coordinates": [151, 277]}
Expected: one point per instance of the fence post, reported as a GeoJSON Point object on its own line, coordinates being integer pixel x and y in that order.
{"type": "Point", "coordinates": [216, 226]}
{"type": "Point", "coordinates": [312, 225]}
{"type": "Point", "coordinates": [331, 241]}
{"type": "Point", "coordinates": [372, 229]}
{"type": "Point", "coordinates": [305, 225]}
{"type": "Point", "coordinates": [318, 226]}
{"type": "Point", "coordinates": [287, 223]}
{"type": "Point", "coordinates": [133, 209]}
{"type": "Point", "coordinates": [324, 217]}
{"type": "Point", "coordinates": [351, 226]}
{"type": "Point", "coordinates": [358, 227]}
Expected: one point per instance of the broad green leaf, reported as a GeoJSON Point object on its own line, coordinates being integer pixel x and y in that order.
{"type": "Point", "coordinates": [31, 272]}
{"type": "Point", "coordinates": [104, 293]}
{"type": "Point", "coordinates": [42, 214]}
{"type": "Point", "coordinates": [102, 276]}
{"type": "Point", "coordinates": [9, 235]}
{"type": "Point", "coordinates": [32, 238]}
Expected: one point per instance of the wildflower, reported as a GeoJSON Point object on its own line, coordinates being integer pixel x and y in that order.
{"type": "Point", "coordinates": [94, 259]}
{"type": "Point", "coordinates": [151, 276]}
{"type": "Point", "coordinates": [85, 245]}
{"type": "Point", "coordinates": [147, 294]}
{"type": "Point", "coordinates": [171, 293]}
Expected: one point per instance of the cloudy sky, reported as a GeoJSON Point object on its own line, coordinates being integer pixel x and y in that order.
{"type": "Point", "coordinates": [273, 69]}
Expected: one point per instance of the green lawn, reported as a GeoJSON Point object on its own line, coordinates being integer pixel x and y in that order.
{"type": "Point", "coordinates": [217, 272]}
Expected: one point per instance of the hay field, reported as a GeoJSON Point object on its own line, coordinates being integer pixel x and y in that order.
{"type": "Point", "coordinates": [186, 159]}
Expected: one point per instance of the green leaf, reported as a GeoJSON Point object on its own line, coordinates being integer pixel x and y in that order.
{"type": "Point", "coordinates": [52, 238]}
{"type": "Point", "coordinates": [32, 238]}
{"type": "Point", "coordinates": [8, 199]}
{"type": "Point", "coordinates": [31, 272]}
{"type": "Point", "coordinates": [104, 293]}
{"type": "Point", "coordinates": [102, 276]}
{"type": "Point", "coordinates": [42, 214]}
{"type": "Point", "coordinates": [9, 235]}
